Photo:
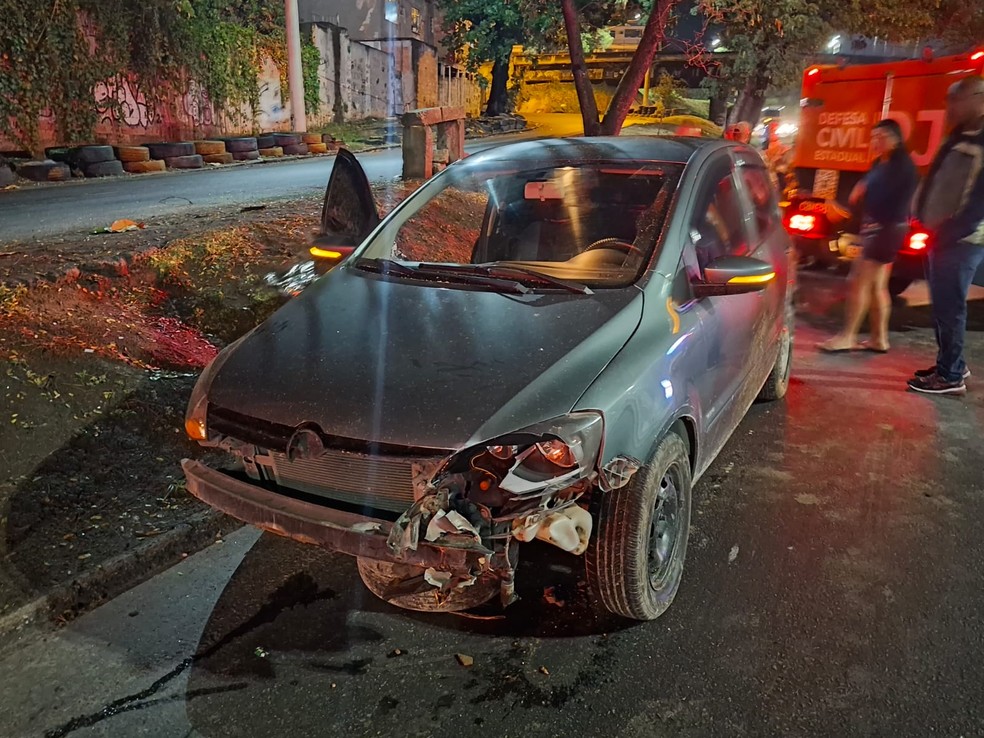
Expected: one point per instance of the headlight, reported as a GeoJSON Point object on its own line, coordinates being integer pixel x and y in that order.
{"type": "Point", "coordinates": [195, 418]}
{"type": "Point", "coordinates": [536, 460]}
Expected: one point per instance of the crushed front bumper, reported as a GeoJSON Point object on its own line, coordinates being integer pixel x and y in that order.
{"type": "Point", "coordinates": [335, 530]}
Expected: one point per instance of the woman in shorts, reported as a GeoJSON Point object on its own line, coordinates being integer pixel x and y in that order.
{"type": "Point", "coordinates": [884, 196]}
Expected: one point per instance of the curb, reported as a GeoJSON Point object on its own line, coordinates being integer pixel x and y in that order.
{"type": "Point", "coordinates": [116, 575]}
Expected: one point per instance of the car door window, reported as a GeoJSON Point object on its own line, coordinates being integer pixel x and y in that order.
{"type": "Point", "coordinates": [762, 195]}
{"type": "Point", "coordinates": [718, 222]}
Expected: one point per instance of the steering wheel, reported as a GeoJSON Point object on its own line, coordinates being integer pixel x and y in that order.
{"type": "Point", "coordinates": [615, 243]}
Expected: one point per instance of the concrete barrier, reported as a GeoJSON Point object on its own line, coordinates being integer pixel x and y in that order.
{"type": "Point", "coordinates": [426, 131]}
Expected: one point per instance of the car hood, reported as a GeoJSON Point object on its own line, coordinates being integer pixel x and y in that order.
{"type": "Point", "coordinates": [420, 365]}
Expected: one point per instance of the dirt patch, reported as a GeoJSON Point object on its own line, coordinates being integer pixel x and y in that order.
{"type": "Point", "coordinates": [96, 366]}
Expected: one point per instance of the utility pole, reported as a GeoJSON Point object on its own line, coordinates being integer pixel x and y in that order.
{"type": "Point", "coordinates": [295, 74]}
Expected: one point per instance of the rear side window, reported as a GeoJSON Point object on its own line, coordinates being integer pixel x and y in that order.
{"type": "Point", "coordinates": [763, 197]}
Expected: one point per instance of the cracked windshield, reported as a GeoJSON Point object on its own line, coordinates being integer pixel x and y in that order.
{"type": "Point", "coordinates": [453, 368]}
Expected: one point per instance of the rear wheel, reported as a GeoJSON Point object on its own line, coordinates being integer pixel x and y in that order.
{"type": "Point", "coordinates": [635, 560]}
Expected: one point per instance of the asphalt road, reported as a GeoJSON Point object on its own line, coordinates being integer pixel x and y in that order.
{"type": "Point", "coordinates": [40, 212]}
{"type": "Point", "coordinates": [36, 213]}
{"type": "Point", "coordinates": [833, 587]}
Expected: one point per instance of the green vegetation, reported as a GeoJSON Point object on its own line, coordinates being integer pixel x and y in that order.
{"type": "Point", "coordinates": [53, 54]}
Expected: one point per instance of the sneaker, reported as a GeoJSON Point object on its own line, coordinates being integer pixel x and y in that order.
{"type": "Point", "coordinates": [923, 373]}
{"type": "Point", "coordinates": [936, 385]}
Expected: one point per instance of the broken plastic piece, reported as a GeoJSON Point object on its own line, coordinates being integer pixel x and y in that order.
{"type": "Point", "coordinates": [619, 472]}
{"type": "Point", "coordinates": [550, 597]}
{"type": "Point", "coordinates": [568, 529]}
{"type": "Point", "coordinates": [464, 659]}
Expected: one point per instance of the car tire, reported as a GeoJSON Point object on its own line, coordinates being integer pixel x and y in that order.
{"type": "Point", "coordinates": [132, 153]}
{"type": "Point", "coordinates": [44, 171]}
{"type": "Point", "coordinates": [274, 152]}
{"type": "Point", "coordinates": [210, 148]}
{"type": "Point", "coordinates": [192, 161]}
{"type": "Point", "coordinates": [287, 139]}
{"type": "Point", "coordinates": [112, 168]}
{"type": "Point", "coordinates": [144, 167]}
{"type": "Point", "coordinates": [242, 145]}
{"type": "Point", "coordinates": [296, 149]}
{"type": "Point", "coordinates": [266, 141]}
{"type": "Point", "coordinates": [777, 384]}
{"type": "Point", "coordinates": [167, 151]}
{"type": "Point", "coordinates": [311, 138]}
{"type": "Point", "coordinates": [61, 154]}
{"type": "Point", "coordinates": [246, 155]}
{"type": "Point", "coordinates": [623, 549]}
{"type": "Point", "coordinates": [224, 158]}
{"type": "Point", "coordinates": [84, 156]}
{"type": "Point", "coordinates": [898, 285]}
{"type": "Point", "coordinates": [317, 148]}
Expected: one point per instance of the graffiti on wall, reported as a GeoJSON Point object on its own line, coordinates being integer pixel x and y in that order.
{"type": "Point", "coordinates": [198, 107]}
{"type": "Point", "coordinates": [272, 112]}
{"type": "Point", "coordinates": [120, 101]}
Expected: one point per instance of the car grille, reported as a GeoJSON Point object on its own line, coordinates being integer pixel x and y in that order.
{"type": "Point", "coordinates": [381, 482]}
{"type": "Point", "coordinates": [379, 476]}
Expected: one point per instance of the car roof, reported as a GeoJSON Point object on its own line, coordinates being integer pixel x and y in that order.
{"type": "Point", "coordinates": [558, 151]}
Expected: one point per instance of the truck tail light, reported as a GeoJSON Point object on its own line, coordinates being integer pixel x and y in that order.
{"type": "Point", "coordinates": [977, 56]}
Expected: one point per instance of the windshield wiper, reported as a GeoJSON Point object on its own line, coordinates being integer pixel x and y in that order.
{"type": "Point", "coordinates": [575, 287]}
{"type": "Point", "coordinates": [426, 271]}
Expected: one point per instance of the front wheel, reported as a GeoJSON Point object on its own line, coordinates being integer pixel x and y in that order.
{"type": "Point", "coordinates": [635, 560]}
{"type": "Point", "coordinates": [777, 384]}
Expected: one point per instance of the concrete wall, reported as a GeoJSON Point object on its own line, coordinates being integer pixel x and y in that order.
{"type": "Point", "coordinates": [375, 20]}
{"type": "Point", "coordinates": [126, 116]}
{"type": "Point", "coordinates": [356, 80]}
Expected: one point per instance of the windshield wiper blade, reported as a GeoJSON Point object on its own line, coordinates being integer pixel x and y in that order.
{"type": "Point", "coordinates": [385, 266]}
{"type": "Point", "coordinates": [427, 271]}
{"type": "Point", "coordinates": [575, 287]}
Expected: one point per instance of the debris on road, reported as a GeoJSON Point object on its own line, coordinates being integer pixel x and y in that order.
{"type": "Point", "coordinates": [543, 670]}
{"type": "Point", "coordinates": [464, 660]}
{"type": "Point", "coordinates": [121, 226]}
{"type": "Point", "coordinates": [733, 554]}
{"type": "Point", "coordinates": [550, 597]}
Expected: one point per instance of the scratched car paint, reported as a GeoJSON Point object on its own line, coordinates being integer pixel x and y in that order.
{"type": "Point", "coordinates": [550, 340]}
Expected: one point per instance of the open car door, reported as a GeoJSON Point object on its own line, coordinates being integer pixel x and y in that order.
{"type": "Point", "coordinates": [349, 212]}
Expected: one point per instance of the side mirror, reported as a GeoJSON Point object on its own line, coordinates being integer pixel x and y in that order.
{"type": "Point", "coordinates": [327, 253]}
{"type": "Point", "coordinates": [734, 275]}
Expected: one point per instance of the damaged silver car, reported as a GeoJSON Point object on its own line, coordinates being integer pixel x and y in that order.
{"type": "Point", "coordinates": [549, 340]}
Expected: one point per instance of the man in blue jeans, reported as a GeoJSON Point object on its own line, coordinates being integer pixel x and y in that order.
{"type": "Point", "coordinates": [951, 204]}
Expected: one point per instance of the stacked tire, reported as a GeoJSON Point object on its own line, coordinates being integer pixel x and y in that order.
{"type": "Point", "coordinates": [291, 143]}
{"type": "Point", "coordinates": [136, 160]}
{"type": "Point", "coordinates": [179, 155]}
{"type": "Point", "coordinates": [243, 148]}
{"type": "Point", "coordinates": [213, 152]}
{"type": "Point", "coordinates": [47, 170]}
{"type": "Point", "coordinates": [314, 142]}
{"type": "Point", "coordinates": [92, 161]}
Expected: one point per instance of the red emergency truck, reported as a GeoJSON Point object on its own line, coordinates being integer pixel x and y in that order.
{"type": "Point", "coordinates": [839, 106]}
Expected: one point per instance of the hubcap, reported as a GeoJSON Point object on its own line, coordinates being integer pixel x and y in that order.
{"type": "Point", "coordinates": [664, 531]}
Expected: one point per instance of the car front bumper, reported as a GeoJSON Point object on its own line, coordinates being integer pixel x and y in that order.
{"type": "Point", "coordinates": [320, 525]}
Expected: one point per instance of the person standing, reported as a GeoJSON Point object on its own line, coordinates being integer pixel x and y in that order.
{"type": "Point", "coordinates": [884, 196]}
{"type": "Point", "coordinates": [951, 206]}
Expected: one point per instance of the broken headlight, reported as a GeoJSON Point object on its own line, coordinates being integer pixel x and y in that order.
{"type": "Point", "coordinates": [536, 460]}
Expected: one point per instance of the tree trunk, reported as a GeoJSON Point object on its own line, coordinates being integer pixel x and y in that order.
{"type": "Point", "coordinates": [628, 86]}
{"type": "Point", "coordinates": [750, 100]}
{"type": "Point", "coordinates": [498, 97]}
{"type": "Point", "coordinates": [582, 83]}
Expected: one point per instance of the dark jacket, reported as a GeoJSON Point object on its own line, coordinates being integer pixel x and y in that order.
{"type": "Point", "coordinates": [967, 224]}
{"type": "Point", "coordinates": [889, 187]}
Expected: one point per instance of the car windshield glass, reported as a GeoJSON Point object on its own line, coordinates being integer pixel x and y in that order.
{"type": "Point", "coordinates": [587, 223]}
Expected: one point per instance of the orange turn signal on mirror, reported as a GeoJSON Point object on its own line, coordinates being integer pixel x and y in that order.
{"type": "Point", "coordinates": [196, 429]}
{"type": "Point", "coordinates": [753, 278]}
{"type": "Point", "coordinates": [324, 253]}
